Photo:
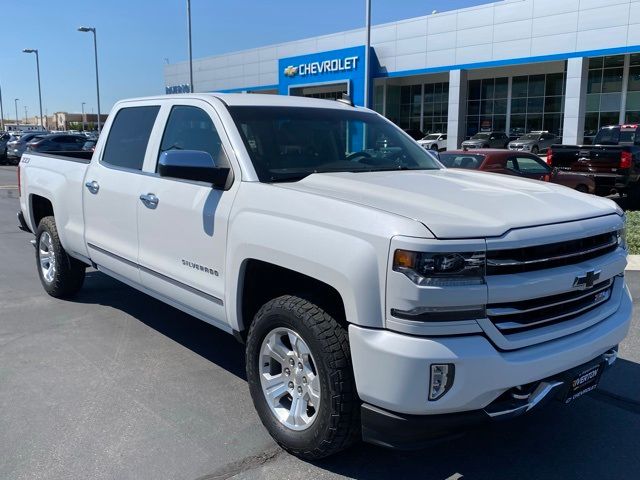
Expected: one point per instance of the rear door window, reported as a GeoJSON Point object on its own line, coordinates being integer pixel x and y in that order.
{"type": "Point", "coordinates": [128, 137]}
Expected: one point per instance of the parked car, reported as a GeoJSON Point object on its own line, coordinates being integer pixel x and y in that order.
{"type": "Point", "coordinates": [613, 161]}
{"type": "Point", "coordinates": [534, 142]}
{"type": "Point", "coordinates": [18, 145]}
{"type": "Point", "coordinates": [434, 141]}
{"type": "Point", "coordinates": [414, 133]}
{"type": "Point", "coordinates": [378, 295]}
{"type": "Point", "coordinates": [59, 142]}
{"type": "Point", "coordinates": [487, 140]}
{"type": "Point", "coordinates": [4, 139]}
{"type": "Point", "coordinates": [522, 164]}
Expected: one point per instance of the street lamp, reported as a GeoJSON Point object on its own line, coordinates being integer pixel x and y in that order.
{"type": "Point", "coordinates": [1, 112]}
{"type": "Point", "coordinates": [190, 49]}
{"type": "Point", "coordinates": [15, 100]}
{"type": "Point", "coordinates": [34, 50]}
{"type": "Point", "coordinates": [95, 51]}
{"type": "Point", "coordinates": [367, 59]}
{"type": "Point", "coordinates": [83, 120]}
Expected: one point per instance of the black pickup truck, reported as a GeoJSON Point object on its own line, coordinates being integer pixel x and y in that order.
{"type": "Point", "coordinates": [613, 161]}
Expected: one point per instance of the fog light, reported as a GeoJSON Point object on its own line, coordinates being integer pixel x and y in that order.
{"type": "Point", "coordinates": [441, 379]}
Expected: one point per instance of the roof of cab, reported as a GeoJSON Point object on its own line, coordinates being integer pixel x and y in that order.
{"type": "Point", "coordinates": [253, 99]}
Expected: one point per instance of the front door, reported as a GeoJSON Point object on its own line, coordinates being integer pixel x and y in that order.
{"type": "Point", "coordinates": [532, 167]}
{"type": "Point", "coordinates": [183, 234]}
{"type": "Point", "coordinates": [111, 192]}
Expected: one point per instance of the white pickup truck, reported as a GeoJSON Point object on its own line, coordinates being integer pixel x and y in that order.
{"type": "Point", "coordinates": [380, 295]}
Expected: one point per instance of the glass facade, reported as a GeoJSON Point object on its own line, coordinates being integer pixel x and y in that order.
{"type": "Point", "coordinates": [632, 112]}
{"type": "Point", "coordinates": [604, 93]}
{"type": "Point", "coordinates": [487, 105]}
{"type": "Point", "coordinates": [537, 103]}
{"type": "Point", "coordinates": [436, 107]}
{"type": "Point", "coordinates": [409, 109]}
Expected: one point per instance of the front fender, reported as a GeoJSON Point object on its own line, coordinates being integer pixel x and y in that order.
{"type": "Point", "coordinates": [353, 265]}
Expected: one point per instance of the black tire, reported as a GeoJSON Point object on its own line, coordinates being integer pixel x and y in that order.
{"type": "Point", "coordinates": [434, 147]}
{"type": "Point", "coordinates": [337, 424]}
{"type": "Point", "coordinates": [69, 272]}
{"type": "Point", "coordinates": [582, 188]}
{"type": "Point", "coordinates": [535, 150]}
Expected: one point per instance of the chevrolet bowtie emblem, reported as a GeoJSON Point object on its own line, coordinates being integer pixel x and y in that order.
{"type": "Point", "coordinates": [291, 71]}
{"type": "Point", "coordinates": [587, 280]}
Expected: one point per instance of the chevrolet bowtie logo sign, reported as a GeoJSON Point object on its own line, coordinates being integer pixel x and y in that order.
{"type": "Point", "coordinates": [291, 71]}
{"type": "Point", "coordinates": [587, 280]}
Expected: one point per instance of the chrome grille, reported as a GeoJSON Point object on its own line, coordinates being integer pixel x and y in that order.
{"type": "Point", "coordinates": [503, 262]}
{"type": "Point", "coordinates": [519, 316]}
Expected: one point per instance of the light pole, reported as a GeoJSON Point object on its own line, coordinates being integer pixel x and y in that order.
{"type": "Point", "coordinates": [95, 51]}
{"type": "Point", "coordinates": [26, 116]}
{"type": "Point", "coordinates": [367, 59]}
{"type": "Point", "coordinates": [83, 119]}
{"type": "Point", "coordinates": [35, 50]}
{"type": "Point", "coordinates": [191, 89]}
{"type": "Point", "coordinates": [15, 100]}
{"type": "Point", "coordinates": [1, 112]}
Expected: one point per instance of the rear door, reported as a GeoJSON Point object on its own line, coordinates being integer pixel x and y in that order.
{"type": "Point", "coordinates": [112, 186]}
{"type": "Point", "coordinates": [183, 236]}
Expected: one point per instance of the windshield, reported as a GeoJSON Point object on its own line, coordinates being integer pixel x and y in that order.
{"type": "Point", "coordinates": [434, 136]}
{"type": "Point", "coordinates": [480, 136]}
{"type": "Point", "coordinates": [287, 144]}
{"type": "Point", "coordinates": [530, 136]}
{"type": "Point", "coordinates": [458, 160]}
{"type": "Point", "coordinates": [614, 136]}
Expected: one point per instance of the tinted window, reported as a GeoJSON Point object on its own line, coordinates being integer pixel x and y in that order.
{"type": "Point", "coordinates": [532, 165]}
{"type": "Point", "coordinates": [128, 137]}
{"type": "Point", "coordinates": [191, 128]}
{"type": "Point", "coordinates": [452, 160]}
{"type": "Point", "coordinates": [287, 144]}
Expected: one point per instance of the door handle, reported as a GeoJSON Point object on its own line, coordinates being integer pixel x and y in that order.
{"type": "Point", "coordinates": [149, 200]}
{"type": "Point", "coordinates": [93, 186]}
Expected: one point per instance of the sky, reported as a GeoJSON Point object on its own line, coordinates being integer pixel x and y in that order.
{"type": "Point", "coordinates": [136, 37]}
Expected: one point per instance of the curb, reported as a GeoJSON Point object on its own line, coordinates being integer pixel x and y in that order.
{"type": "Point", "coordinates": [633, 262]}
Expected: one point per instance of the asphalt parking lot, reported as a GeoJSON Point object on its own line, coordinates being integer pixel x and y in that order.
{"type": "Point", "coordinates": [114, 384]}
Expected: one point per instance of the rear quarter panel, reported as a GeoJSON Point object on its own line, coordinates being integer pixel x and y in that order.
{"type": "Point", "coordinates": [60, 181]}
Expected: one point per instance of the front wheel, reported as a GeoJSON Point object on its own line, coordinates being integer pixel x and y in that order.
{"type": "Point", "coordinates": [535, 150]}
{"type": "Point", "coordinates": [61, 275]}
{"type": "Point", "coordinates": [301, 378]}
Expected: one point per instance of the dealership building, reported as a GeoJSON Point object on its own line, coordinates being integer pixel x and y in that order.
{"type": "Point", "coordinates": [563, 66]}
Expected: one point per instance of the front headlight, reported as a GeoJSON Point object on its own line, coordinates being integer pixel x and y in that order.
{"type": "Point", "coordinates": [622, 235]}
{"type": "Point", "coordinates": [441, 269]}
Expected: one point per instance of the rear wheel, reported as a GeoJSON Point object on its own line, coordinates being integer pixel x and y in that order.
{"type": "Point", "coordinates": [301, 378]}
{"type": "Point", "coordinates": [61, 275]}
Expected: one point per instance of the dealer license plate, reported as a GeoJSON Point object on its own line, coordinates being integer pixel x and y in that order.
{"type": "Point", "coordinates": [583, 383]}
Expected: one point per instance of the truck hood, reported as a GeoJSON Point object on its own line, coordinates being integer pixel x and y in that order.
{"type": "Point", "coordinates": [456, 203]}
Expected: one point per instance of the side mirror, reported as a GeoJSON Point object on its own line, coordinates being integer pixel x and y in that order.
{"type": "Point", "coordinates": [192, 165]}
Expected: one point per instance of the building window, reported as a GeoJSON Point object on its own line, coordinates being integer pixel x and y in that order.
{"type": "Point", "coordinates": [378, 99]}
{"type": "Point", "coordinates": [537, 104]}
{"type": "Point", "coordinates": [487, 105]}
{"type": "Point", "coordinates": [604, 93]}
{"type": "Point", "coordinates": [436, 108]}
{"type": "Point", "coordinates": [407, 108]}
{"type": "Point", "coordinates": [632, 114]}
{"type": "Point", "coordinates": [410, 100]}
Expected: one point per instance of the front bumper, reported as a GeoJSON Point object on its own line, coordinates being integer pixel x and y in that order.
{"type": "Point", "coordinates": [392, 369]}
{"type": "Point", "coordinates": [390, 429]}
